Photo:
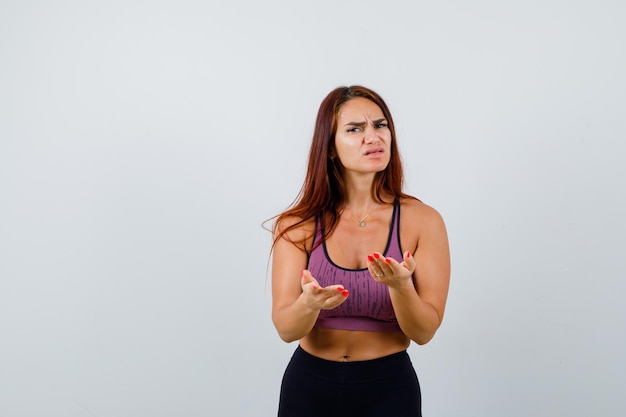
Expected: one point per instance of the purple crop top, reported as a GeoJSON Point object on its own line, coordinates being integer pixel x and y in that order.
{"type": "Point", "coordinates": [368, 306]}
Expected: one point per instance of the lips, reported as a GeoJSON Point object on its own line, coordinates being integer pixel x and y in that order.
{"type": "Point", "coordinates": [374, 151]}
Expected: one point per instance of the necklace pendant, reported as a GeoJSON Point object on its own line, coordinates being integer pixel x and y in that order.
{"type": "Point", "coordinates": [362, 223]}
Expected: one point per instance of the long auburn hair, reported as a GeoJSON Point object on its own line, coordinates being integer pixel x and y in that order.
{"type": "Point", "coordinates": [323, 193]}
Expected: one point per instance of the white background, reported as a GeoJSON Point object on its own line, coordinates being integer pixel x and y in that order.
{"type": "Point", "coordinates": [143, 143]}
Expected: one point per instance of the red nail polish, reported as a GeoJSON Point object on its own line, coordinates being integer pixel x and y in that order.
{"type": "Point", "coordinates": [314, 286]}
{"type": "Point", "coordinates": [408, 254]}
{"type": "Point", "coordinates": [388, 261]}
{"type": "Point", "coordinates": [369, 258]}
{"type": "Point", "coordinates": [376, 256]}
{"type": "Point", "coordinates": [345, 293]}
{"type": "Point", "coordinates": [340, 289]}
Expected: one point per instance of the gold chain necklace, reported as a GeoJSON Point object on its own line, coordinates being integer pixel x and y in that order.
{"type": "Point", "coordinates": [362, 219]}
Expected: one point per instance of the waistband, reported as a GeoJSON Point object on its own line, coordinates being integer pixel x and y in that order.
{"type": "Point", "coordinates": [351, 372]}
{"type": "Point", "coordinates": [358, 323]}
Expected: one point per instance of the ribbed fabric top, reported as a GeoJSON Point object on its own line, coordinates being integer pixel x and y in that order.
{"type": "Point", "coordinates": [368, 307]}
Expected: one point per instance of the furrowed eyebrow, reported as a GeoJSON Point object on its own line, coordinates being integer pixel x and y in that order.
{"type": "Point", "coordinates": [360, 124]}
{"type": "Point", "coordinates": [357, 124]}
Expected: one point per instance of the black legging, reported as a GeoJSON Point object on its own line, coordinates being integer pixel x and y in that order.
{"type": "Point", "coordinates": [385, 387]}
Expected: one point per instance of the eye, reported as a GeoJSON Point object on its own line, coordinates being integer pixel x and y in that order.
{"type": "Point", "coordinates": [354, 130]}
{"type": "Point", "coordinates": [381, 125]}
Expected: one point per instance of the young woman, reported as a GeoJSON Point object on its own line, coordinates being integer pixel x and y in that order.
{"type": "Point", "coordinates": [359, 270]}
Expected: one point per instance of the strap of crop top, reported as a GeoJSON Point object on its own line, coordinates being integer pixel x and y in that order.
{"type": "Point", "coordinates": [392, 248]}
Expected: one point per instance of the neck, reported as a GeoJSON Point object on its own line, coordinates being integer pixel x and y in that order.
{"type": "Point", "coordinates": [360, 203]}
{"type": "Point", "coordinates": [359, 192]}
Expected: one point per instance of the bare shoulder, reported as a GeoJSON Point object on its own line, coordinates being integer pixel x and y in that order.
{"type": "Point", "coordinates": [295, 224]}
{"type": "Point", "coordinates": [296, 230]}
{"type": "Point", "coordinates": [420, 223]}
{"type": "Point", "coordinates": [417, 212]}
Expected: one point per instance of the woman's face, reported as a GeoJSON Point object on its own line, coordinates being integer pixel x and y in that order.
{"type": "Point", "coordinates": [363, 138]}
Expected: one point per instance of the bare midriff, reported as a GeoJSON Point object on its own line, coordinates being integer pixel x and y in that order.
{"type": "Point", "coordinates": [350, 345]}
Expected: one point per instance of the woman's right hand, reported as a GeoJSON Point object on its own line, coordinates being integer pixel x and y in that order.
{"type": "Point", "coordinates": [318, 298]}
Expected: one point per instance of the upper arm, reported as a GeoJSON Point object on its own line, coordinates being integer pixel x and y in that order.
{"type": "Point", "coordinates": [432, 256]}
{"type": "Point", "coordinates": [288, 261]}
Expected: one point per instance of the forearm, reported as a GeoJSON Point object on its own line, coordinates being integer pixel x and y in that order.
{"type": "Point", "coordinates": [417, 319]}
{"type": "Point", "coordinates": [294, 321]}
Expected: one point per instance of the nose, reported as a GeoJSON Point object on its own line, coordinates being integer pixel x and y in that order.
{"type": "Point", "coordinates": [371, 136]}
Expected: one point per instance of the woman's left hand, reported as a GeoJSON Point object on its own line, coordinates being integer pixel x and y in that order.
{"type": "Point", "coordinates": [390, 272]}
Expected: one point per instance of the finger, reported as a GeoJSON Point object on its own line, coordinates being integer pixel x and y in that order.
{"type": "Point", "coordinates": [307, 279]}
{"type": "Point", "coordinates": [374, 266]}
{"type": "Point", "coordinates": [390, 266]}
{"type": "Point", "coordinates": [385, 265]}
{"type": "Point", "coordinates": [336, 299]}
{"type": "Point", "coordinates": [339, 294]}
{"type": "Point", "coordinates": [377, 259]}
{"type": "Point", "coordinates": [335, 292]}
{"type": "Point", "coordinates": [409, 261]}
